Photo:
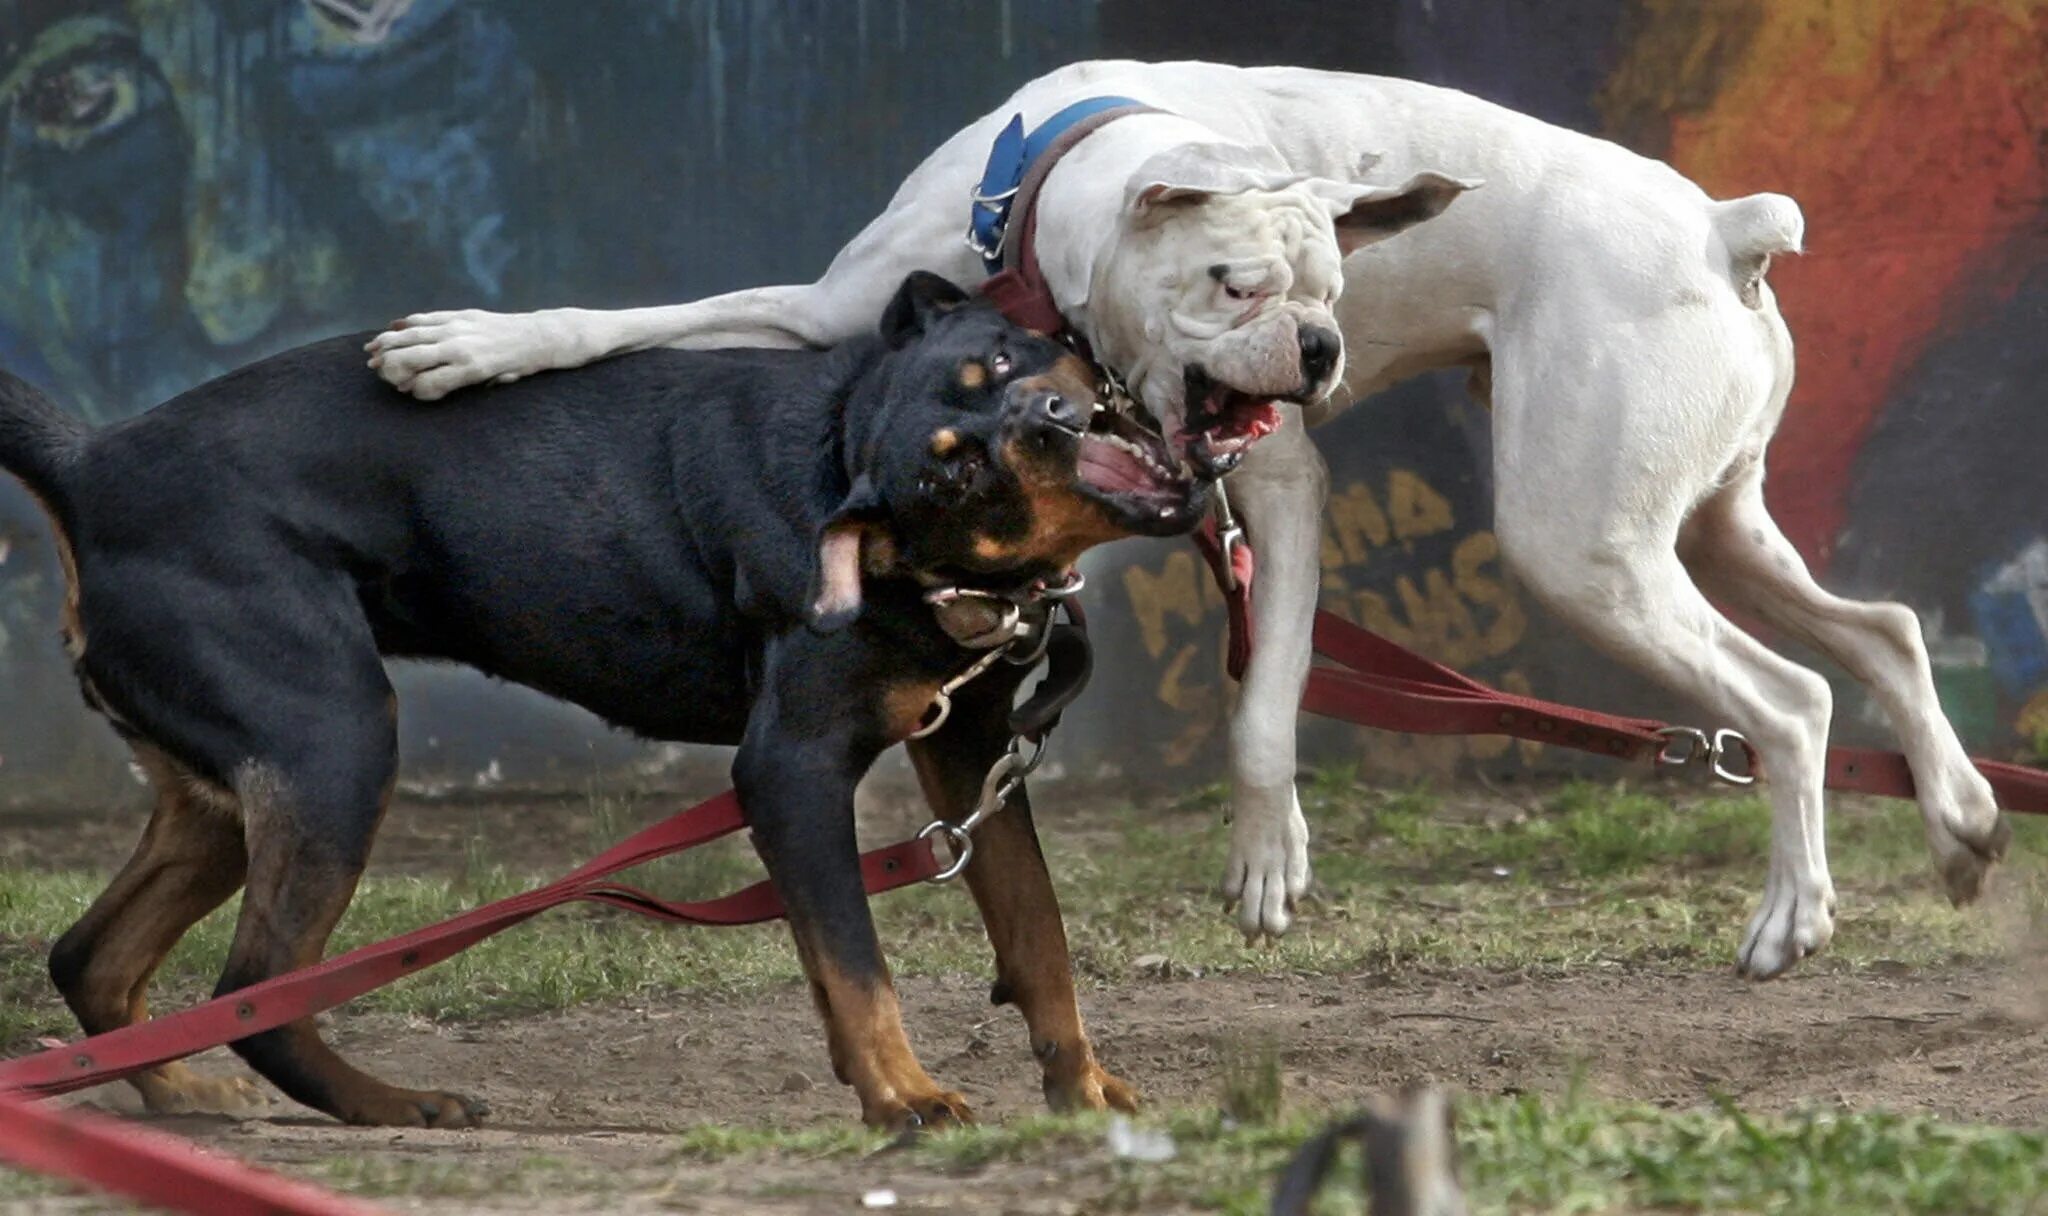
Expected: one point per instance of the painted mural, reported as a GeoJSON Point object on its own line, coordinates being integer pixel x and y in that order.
{"type": "Point", "coordinates": [189, 184]}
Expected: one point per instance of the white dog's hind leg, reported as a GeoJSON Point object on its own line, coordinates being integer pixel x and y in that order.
{"type": "Point", "coordinates": [1278, 494]}
{"type": "Point", "coordinates": [1738, 553]}
{"type": "Point", "coordinates": [1637, 603]}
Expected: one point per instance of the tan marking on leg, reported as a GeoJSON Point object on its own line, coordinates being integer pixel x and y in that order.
{"type": "Point", "coordinates": [288, 912]}
{"type": "Point", "coordinates": [1022, 915]}
{"type": "Point", "coordinates": [864, 1025]}
{"type": "Point", "coordinates": [905, 707]}
{"type": "Point", "coordinates": [190, 859]}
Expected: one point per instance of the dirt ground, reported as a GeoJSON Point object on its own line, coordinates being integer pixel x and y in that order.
{"type": "Point", "coordinates": [605, 1087]}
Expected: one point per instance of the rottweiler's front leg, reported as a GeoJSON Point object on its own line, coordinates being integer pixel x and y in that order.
{"type": "Point", "coordinates": [1018, 906]}
{"type": "Point", "coordinates": [797, 785]}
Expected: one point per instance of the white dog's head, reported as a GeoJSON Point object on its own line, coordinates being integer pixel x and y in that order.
{"type": "Point", "coordinates": [1216, 298]}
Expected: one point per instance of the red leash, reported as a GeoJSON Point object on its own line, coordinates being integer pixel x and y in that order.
{"type": "Point", "coordinates": [150, 1167]}
{"type": "Point", "coordinates": [1380, 684]}
{"type": "Point", "coordinates": [167, 1172]}
{"type": "Point", "coordinates": [302, 993]}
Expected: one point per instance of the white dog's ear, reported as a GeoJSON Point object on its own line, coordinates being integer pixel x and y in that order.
{"type": "Point", "coordinates": [1190, 173]}
{"type": "Point", "coordinates": [1365, 214]}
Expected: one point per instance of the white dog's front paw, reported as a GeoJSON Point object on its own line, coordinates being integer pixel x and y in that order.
{"type": "Point", "coordinates": [1796, 918]}
{"type": "Point", "coordinates": [1965, 831]}
{"type": "Point", "coordinates": [1268, 865]}
{"type": "Point", "coordinates": [431, 354]}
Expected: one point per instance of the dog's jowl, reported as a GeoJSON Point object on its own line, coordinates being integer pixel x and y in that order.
{"type": "Point", "coordinates": [721, 547]}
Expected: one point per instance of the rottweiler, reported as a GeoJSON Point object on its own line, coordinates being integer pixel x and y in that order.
{"type": "Point", "coordinates": [726, 547]}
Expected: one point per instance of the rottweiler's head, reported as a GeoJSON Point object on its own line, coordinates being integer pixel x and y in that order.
{"type": "Point", "coordinates": [981, 454]}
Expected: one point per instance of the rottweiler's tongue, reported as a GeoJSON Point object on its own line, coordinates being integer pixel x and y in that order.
{"type": "Point", "coordinates": [1110, 468]}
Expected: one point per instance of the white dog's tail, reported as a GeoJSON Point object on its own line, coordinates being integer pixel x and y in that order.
{"type": "Point", "coordinates": [1753, 228]}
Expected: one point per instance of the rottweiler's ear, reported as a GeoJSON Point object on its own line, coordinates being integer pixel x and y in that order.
{"type": "Point", "coordinates": [923, 297]}
{"type": "Point", "coordinates": [835, 597]}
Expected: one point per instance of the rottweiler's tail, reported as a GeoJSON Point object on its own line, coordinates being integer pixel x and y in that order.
{"type": "Point", "coordinates": [38, 441]}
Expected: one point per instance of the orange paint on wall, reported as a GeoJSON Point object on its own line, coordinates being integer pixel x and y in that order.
{"type": "Point", "coordinates": [1911, 136]}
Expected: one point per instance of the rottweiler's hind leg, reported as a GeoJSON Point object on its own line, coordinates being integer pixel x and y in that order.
{"type": "Point", "coordinates": [190, 859]}
{"type": "Point", "coordinates": [310, 819]}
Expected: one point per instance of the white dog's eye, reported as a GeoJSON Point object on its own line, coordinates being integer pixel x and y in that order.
{"type": "Point", "coordinates": [1000, 365]}
{"type": "Point", "coordinates": [1237, 294]}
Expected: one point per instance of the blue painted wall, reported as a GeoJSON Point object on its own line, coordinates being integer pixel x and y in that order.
{"type": "Point", "coordinates": [188, 184]}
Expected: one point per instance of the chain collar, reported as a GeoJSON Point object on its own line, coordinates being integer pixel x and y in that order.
{"type": "Point", "coordinates": [1006, 625]}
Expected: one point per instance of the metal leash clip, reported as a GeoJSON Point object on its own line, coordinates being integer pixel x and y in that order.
{"type": "Point", "coordinates": [1005, 778]}
{"type": "Point", "coordinates": [1229, 536]}
{"type": "Point", "coordinates": [1000, 622]}
{"type": "Point", "coordinates": [942, 700]}
{"type": "Point", "coordinates": [991, 203]}
{"type": "Point", "coordinates": [1685, 746]}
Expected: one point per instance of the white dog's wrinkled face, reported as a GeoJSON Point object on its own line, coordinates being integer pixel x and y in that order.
{"type": "Point", "coordinates": [1217, 298]}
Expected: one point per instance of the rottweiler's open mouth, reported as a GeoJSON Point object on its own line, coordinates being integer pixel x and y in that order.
{"type": "Point", "coordinates": [1127, 465]}
{"type": "Point", "coordinates": [1222, 423]}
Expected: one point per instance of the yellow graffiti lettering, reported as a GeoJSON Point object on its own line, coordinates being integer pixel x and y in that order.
{"type": "Point", "coordinates": [1443, 626]}
{"type": "Point", "coordinates": [1468, 574]}
{"type": "Point", "coordinates": [1198, 703]}
{"type": "Point", "coordinates": [1173, 592]}
{"type": "Point", "coordinates": [1356, 526]}
{"type": "Point", "coordinates": [1416, 509]}
{"type": "Point", "coordinates": [1370, 609]}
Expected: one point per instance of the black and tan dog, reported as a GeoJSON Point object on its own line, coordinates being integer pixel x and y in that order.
{"type": "Point", "coordinates": [718, 547]}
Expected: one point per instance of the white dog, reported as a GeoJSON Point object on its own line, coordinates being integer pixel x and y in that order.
{"type": "Point", "coordinates": [1616, 318]}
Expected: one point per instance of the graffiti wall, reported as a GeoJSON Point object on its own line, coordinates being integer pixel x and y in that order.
{"type": "Point", "coordinates": [188, 184]}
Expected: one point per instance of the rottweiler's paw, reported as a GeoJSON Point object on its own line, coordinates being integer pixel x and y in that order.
{"type": "Point", "coordinates": [177, 1090]}
{"type": "Point", "coordinates": [1089, 1088]}
{"type": "Point", "coordinates": [418, 1108]}
{"type": "Point", "coordinates": [943, 1108]}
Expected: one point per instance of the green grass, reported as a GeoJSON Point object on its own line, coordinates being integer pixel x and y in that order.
{"type": "Point", "coordinates": [1593, 874]}
{"type": "Point", "coordinates": [1523, 1154]}
{"type": "Point", "coordinates": [1588, 874]}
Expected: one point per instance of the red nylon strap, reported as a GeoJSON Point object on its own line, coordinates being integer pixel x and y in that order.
{"type": "Point", "coordinates": [153, 1168]}
{"type": "Point", "coordinates": [1393, 688]}
{"type": "Point", "coordinates": [1019, 290]}
{"type": "Point", "coordinates": [1383, 685]}
{"type": "Point", "coordinates": [1237, 603]}
{"type": "Point", "coordinates": [287, 998]}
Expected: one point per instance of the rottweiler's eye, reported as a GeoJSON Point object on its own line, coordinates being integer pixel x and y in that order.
{"type": "Point", "coordinates": [999, 364]}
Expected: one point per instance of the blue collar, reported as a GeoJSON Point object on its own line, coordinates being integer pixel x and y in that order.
{"type": "Point", "coordinates": [1009, 158]}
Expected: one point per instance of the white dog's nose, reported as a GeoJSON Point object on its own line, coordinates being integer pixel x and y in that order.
{"type": "Point", "coordinates": [1320, 350]}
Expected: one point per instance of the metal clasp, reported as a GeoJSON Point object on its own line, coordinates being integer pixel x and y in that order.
{"type": "Point", "coordinates": [1685, 746]}
{"type": "Point", "coordinates": [991, 203]}
{"type": "Point", "coordinates": [942, 700]}
{"type": "Point", "coordinates": [1229, 536]}
{"type": "Point", "coordinates": [1005, 777]}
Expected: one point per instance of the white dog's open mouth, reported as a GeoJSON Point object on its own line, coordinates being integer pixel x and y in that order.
{"type": "Point", "coordinates": [1222, 423]}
